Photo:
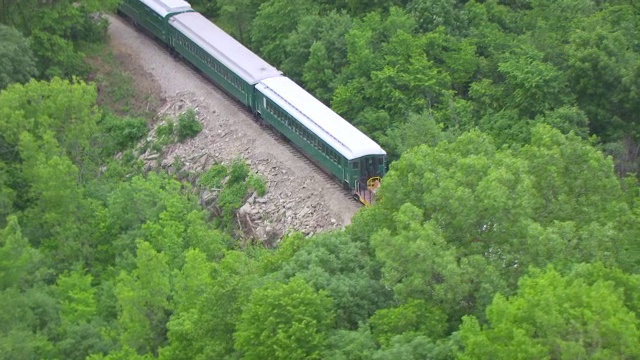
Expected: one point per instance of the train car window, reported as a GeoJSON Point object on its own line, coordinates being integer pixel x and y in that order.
{"type": "Point", "coordinates": [355, 165]}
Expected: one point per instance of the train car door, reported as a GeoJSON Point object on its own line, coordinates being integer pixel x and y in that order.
{"type": "Point", "coordinates": [368, 167]}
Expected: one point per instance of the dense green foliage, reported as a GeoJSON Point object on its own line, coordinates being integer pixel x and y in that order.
{"type": "Point", "coordinates": [60, 31]}
{"type": "Point", "coordinates": [499, 66]}
{"type": "Point", "coordinates": [502, 230]}
{"type": "Point", "coordinates": [18, 62]}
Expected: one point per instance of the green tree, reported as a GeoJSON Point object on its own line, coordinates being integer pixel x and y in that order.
{"type": "Point", "coordinates": [602, 66]}
{"type": "Point", "coordinates": [414, 317]}
{"type": "Point", "coordinates": [17, 258]}
{"type": "Point", "coordinates": [318, 74]}
{"type": "Point", "coordinates": [59, 217]}
{"type": "Point", "coordinates": [350, 345]}
{"type": "Point", "coordinates": [432, 14]}
{"type": "Point", "coordinates": [58, 30]}
{"type": "Point", "coordinates": [343, 268]}
{"type": "Point", "coordinates": [64, 108]}
{"type": "Point", "coordinates": [268, 31]}
{"type": "Point", "coordinates": [284, 321]}
{"type": "Point", "coordinates": [191, 285]}
{"type": "Point", "coordinates": [388, 75]}
{"type": "Point", "coordinates": [143, 301]}
{"type": "Point", "coordinates": [77, 298]}
{"type": "Point", "coordinates": [18, 62]}
{"type": "Point", "coordinates": [25, 331]}
{"type": "Point", "coordinates": [417, 130]}
{"type": "Point", "coordinates": [236, 16]}
{"type": "Point", "coordinates": [531, 86]}
{"type": "Point", "coordinates": [461, 220]}
{"type": "Point", "coordinates": [554, 317]}
{"type": "Point", "coordinates": [415, 347]}
{"type": "Point", "coordinates": [322, 31]}
{"type": "Point", "coordinates": [81, 332]}
{"type": "Point", "coordinates": [210, 9]}
{"type": "Point", "coordinates": [155, 209]}
{"type": "Point", "coordinates": [203, 326]}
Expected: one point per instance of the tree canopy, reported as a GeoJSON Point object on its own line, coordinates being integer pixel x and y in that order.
{"type": "Point", "coordinates": [507, 225]}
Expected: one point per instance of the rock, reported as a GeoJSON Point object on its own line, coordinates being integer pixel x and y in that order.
{"type": "Point", "coordinates": [207, 197]}
{"type": "Point", "coordinates": [245, 209]}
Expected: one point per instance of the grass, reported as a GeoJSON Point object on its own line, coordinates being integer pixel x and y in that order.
{"type": "Point", "coordinates": [117, 88]}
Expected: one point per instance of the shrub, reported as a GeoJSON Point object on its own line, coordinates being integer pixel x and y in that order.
{"type": "Point", "coordinates": [214, 176]}
{"type": "Point", "coordinates": [122, 133]}
{"type": "Point", "coordinates": [188, 125]}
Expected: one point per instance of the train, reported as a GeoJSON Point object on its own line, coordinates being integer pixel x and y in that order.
{"type": "Point", "coordinates": [357, 162]}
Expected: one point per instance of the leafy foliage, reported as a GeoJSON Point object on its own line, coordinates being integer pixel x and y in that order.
{"type": "Point", "coordinates": [555, 317]}
{"type": "Point", "coordinates": [18, 63]}
{"type": "Point", "coordinates": [469, 218]}
{"type": "Point", "coordinates": [495, 114]}
{"type": "Point", "coordinates": [288, 321]}
{"type": "Point", "coordinates": [233, 182]}
{"type": "Point", "coordinates": [59, 31]}
{"type": "Point", "coordinates": [188, 125]}
{"type": "Point", "coordinates": [122, 133]}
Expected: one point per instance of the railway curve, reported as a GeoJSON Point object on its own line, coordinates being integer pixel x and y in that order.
{"type": "Point", "coordinates": [301, 197]}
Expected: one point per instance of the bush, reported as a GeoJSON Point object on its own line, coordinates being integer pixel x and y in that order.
{"type": "Point", "coordinates": [258, 184]}
{"type": "Point", "coordinates": [238, 172]}
{"type": "Point", "coordinates": [229, 201]}
{"type": "Point", "coordinates": [188, 125]}
{"type": "Point", "coordinates": [214, 176]}
{"type": "Point", "coordinates": [122, 133]}
{"type": "Point", "coordinates": [165, 131]}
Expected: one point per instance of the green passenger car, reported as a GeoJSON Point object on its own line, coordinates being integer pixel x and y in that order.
{"type": "Point", "coordinates": [152, 15]}
{"type": "Point", "coordinates": [229, 64]}
{"type": "Point", "coordinates": [325, 137]}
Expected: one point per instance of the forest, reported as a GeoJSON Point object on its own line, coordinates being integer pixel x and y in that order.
{"type": "Point", "coordinates": [507, 227]}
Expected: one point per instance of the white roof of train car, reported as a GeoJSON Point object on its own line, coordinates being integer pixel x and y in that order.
{"type": "Point", "coordinates": [222, 46]}
{"type": "Point", "coordinates": [165, 7]}
{"type": "Point", "coordinates": [319, 118]}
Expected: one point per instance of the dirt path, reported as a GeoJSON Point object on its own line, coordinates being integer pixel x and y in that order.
{"type": "Point", "coordinates": [300, 197]}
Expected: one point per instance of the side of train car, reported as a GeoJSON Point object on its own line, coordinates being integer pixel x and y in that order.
{"type": "Point", "coordinates": [330, 141]}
